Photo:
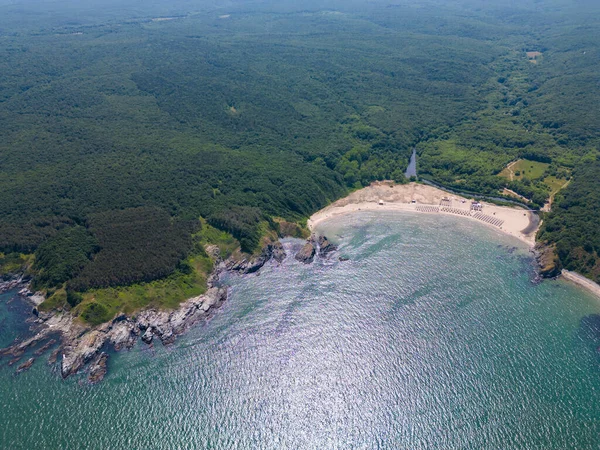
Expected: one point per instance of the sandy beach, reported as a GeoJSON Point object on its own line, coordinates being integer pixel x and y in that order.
{"type": "Point", "coordinates": [423, 199]}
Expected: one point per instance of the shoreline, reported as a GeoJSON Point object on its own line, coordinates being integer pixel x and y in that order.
{"type": "Point", "coordinates": [516, 222]}
{"type": "Point", "coordinates": [82, 347]}
{"type": "Point", "coordinates": [581, 281]}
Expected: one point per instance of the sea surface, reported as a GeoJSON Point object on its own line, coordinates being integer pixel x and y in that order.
{"type": "Point", "coordinates": [432, 335]}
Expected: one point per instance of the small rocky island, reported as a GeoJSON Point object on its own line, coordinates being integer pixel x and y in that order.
{"type": "Point", "coordinates": [314, 246]}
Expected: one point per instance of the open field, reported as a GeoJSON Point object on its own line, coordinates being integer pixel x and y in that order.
{"type": "Point", "coordinates": [533, 57]}
{"type": "Point", "coordinates": [524, 169]}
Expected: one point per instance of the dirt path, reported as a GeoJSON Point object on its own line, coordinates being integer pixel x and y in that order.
{"type": "Point", "coordinates": [509, 168]}
{"type": "Point", "coordinates": [513, 193]}
{"type": "Point", "coordinates": [548, 206]}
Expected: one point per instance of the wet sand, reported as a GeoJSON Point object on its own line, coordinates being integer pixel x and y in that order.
{"type": "Point", "coordinates": [582, 281]}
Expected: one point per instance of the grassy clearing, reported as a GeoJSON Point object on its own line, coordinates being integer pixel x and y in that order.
{"type": "Point", "coordinates": [12, 263]}
{"type": "Point", "coordinates": [167, 293]}
{"type": "Point", "coordinates": [534, 57]}
{"type": "Point", "coordinates": [55, 300]}
{"type": "Point", "coordinates": [555, 184]}
{"type": "Point", "coordinates": [292, 229]}
{"type": "Point", "coordinates": [209, 235]}
{"type": "Point", "coordinates": [524, 168]}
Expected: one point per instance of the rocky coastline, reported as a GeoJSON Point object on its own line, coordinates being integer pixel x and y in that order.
{"type": "Point", "coordinates": [547, 261]}
{"type": "Point", "coordinates": [83, 348]}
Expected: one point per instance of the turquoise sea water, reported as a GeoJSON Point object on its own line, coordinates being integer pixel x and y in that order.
{"type": "Point", "coordinates": [432, 335]}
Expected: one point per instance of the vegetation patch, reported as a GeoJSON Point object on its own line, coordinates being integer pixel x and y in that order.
{"type": "Point", "coordinates": [13, 263]}
{"type": "Point", "coordinates": [55, 300]}
{"type": "Point", "coordinates": [189, 280]}
{"type": "Point", "coordinates": [63, 256]}
{"type": "Point", "coordinates": [199, 118]}
{"type": "Point", "coordinates": [573, 223]}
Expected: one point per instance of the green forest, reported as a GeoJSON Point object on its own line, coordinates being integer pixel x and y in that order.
{"type": "Point", "coordinates": [133, 133]}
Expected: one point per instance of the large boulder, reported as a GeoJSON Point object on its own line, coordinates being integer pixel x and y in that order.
{"type": "Point", "coordinates": [306, 254]}
{"type": "Point", "coordinates": [325, 247]}
{"type": "Point", "coordinates": [278, 252]}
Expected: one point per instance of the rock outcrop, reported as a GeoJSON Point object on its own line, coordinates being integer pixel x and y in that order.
{"type": "Point", "coordinates": [54, 356]}
{"type": "Point", "coordinates": [83, 346]}
{"type": "Point", "coordinates": [315, 246]}
{"type": "Point", "coordinates": [325, 247]}
{"type": "Point", "coordinates": [306, 254]}
{"type": "Point", "coordinates": [26, 365]}
{"type": "Point", "coordinates": [98, 368]}
{"type": "Point", "coordinates": [547, 260]}
{"type": "Point", "coordinates": [13, 282]}
{"type": "Point", "coordinates": [34, 297]}
{"type": "Point", "coordinates": [149, 323]}
{"type": "Point", "coordinates": [253, 264]}
{"type": "Point", "coordinates": [278, 252]}
{"type": "Point", "coordinates": [44, 348]}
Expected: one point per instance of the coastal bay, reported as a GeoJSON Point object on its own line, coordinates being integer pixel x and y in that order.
{"type": "Point", "coordinates": [422, 318]}
{"type": "Point", "coordinates": [423, 199]}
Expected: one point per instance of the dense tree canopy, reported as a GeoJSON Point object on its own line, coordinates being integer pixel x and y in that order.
{"type": "Point", "coordinates": [120, 131]}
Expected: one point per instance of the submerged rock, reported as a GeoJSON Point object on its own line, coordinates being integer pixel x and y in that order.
{"type": "Point", "coordinates": [13, 361]}
{"type": "Point", "coordinates": [45, 347]}
{"type": "Point", "coordinates": [98, 368]}
{"type": "Point", "coordinates": [26, 365]}
{"type": "Point", "coordinates": [54, 356]}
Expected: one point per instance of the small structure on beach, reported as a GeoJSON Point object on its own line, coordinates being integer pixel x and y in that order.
{"type": "Point", "coordinates": [476, 206]}
{"type": "Point", "coordinates": [381, 202]}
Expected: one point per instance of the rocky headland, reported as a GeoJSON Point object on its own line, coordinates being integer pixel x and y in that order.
{"type": "Point", "coordinates": [83, 348]}
{"type": "Point", "coordinates": [547, 260]}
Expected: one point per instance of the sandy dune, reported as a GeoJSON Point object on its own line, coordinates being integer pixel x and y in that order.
{"type": "Point", "coordinates": [516, 222]}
